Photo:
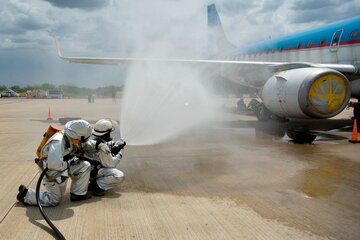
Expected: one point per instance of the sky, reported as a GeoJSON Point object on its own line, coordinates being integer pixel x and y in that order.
{"type": "Point", "coordinates": [142, 28]}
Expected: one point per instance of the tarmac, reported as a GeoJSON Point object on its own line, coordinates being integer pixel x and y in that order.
{"type": "Point", "coordinates": [228, 179]}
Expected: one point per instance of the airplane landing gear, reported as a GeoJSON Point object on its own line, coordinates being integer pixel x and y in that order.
{"type": "Point", "coordinates": [241, 106]}
{"type": "Point", "coordinates": [262, 113]}
{"type": "Point", "coordinates": [356, 111]}
{"type": "Point", "coordinates": [301, 137]}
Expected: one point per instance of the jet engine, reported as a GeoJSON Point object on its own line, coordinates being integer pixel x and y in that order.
{"type": "Point", "coordinates": [306, 93]}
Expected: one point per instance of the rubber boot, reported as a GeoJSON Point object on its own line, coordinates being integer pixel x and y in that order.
{"type": "Point", "coordinates": [95, 189]}
{"type": "Point", "coordinates": [76, 198]}
{"type": "Point", "coordinates": [22, 193]}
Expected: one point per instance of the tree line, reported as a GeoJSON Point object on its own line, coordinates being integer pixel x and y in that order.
{"type": "Point", "coordinates": [71, 91]}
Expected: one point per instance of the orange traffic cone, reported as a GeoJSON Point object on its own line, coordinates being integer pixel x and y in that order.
{"type": "Point", "coordinates": [49, 115]}
{"type": "Point", "coordinates": [354, 137]}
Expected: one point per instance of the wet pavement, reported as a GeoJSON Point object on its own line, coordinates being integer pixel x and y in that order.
{"type": "Point", "coordinates": [231, 178]}
{"type": "Point", "coordinates": [310, 187]}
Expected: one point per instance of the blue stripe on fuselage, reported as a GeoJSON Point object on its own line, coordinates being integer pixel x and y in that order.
{"type": "Point", "coordinates": [315, 35]}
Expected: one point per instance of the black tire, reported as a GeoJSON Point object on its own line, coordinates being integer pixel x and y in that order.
{"type": "Point", "coordinates": [300, 137]}
{"type": "Point", "coordinates": [241, 105]}
{"type": "Point", "coordinates": [262, 113]}
{"type": "Point", "coordinates": [253, 104]}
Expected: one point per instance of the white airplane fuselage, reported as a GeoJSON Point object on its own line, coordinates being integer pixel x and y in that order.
{"type": "Point", "coordinates": [309, 74]}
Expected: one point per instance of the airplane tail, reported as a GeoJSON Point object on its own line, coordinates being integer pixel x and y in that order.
{"type": "Point", "coordinates": [217, 41]}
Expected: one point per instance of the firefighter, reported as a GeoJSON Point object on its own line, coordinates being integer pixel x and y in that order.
{"type": "Point", "coordinates": [58, 155]}
{"type": "Point", "coordinates": [105, 155]}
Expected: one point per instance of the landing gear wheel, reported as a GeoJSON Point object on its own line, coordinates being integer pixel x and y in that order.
{"type": "Point", "coordinates": [301, 137]}
{"type": "Point", "coordinates": [357, 111]}
{"type": "Point", "coordinates": [253, 104]}
{"type": "Point", "coordinates": [241, 105]}
{"type": "Point", "coordinates": [262, 113]}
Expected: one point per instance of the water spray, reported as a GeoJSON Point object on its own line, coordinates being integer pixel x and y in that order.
{"type": "Point", "coordinates": [161, 101]}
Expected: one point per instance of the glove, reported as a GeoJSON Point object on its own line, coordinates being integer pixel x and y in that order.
{"type": "Point", "coordinates": [122, 145]}
{"type": "Point", "coordinates": [115, 149]}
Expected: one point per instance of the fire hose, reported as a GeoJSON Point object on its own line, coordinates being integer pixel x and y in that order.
{"type": "Point", "coordinates": [58, 234]}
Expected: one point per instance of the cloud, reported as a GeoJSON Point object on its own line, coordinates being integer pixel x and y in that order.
{"type": "Point", "coordinates": [89, 5]}
{"type": "Point", "coordinates": [125, 28]}
{"type": "Point", "coordinates": [307, 11]}
{"type": "Point", "coordinates": [248, 22]}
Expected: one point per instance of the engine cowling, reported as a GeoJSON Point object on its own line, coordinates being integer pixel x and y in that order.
{"type": "Point", "coordinates": [306, 93]}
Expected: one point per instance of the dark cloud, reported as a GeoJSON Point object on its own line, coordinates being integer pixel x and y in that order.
{"type": "Point", "coordinates": [272, 6]}
{"type": "Point", "coordinates": [80, 4]}
{"type": "Point", "coordinates": [234, 7]}
{"type": "Point", "coordinates": [307, 11]}
{"type": "Point", "coordinates": [313, 5]}
{"type": "Point", "coordinates": [29, 24]}
{"type": "Point", "coordinates": [31, 66]}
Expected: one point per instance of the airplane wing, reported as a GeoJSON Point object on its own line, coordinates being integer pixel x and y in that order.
{"type": "Point", "coordinates": [250, 73]}
{"type": "Point", "coordinates": [117, 61]}
{"type": "Point", "coordinates": [272, 66]}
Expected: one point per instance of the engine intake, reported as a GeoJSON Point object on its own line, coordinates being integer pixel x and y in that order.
{"type": "Point", "coordinates": [306, 93]}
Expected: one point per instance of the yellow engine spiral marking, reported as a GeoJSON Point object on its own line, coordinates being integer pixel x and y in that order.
{"type": "Point", "coordinates": [327, 94]}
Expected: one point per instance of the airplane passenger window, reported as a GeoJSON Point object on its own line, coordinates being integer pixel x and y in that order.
{"type": "Point", "coordinates": [322, 41]}
{"type": "Point", "coordinates": [353, 35]}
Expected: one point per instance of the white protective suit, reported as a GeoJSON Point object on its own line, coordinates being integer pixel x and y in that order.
{"type": "Point", "coordinates": [108, 175]}
{"type": "Point", "coordinates": [56, 178]}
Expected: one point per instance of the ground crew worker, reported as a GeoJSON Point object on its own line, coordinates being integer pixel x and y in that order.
{"type": "Point", "coordinates": [105, 155]}
{"type": "Point", "coordinates": [58, 156]}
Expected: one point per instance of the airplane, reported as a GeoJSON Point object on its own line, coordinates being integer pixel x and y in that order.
{"type": "Point", "coordinates": [305, 75]}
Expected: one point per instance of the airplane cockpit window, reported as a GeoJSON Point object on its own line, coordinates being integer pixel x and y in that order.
{"type": "Point", "coordinates": [353, 35]}
{"type": "Point", "coordinates": [299, 45]}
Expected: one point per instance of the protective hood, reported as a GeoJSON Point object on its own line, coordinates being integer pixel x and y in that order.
{"type": "Point", "coordinates": [78, 129]}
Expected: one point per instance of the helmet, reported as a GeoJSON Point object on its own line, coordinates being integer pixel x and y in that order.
{"type": "Point", "coordinates": [104, 126]}
{"type": "Point", "coordinates": [78, 129]}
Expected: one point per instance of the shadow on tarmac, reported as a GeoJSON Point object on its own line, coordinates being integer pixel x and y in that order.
{"type": "Point", "coordinates": [313, 126]}
{"type": "Point", "coordinates": [62, 211]}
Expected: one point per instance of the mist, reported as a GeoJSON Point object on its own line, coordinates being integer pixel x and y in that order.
{"type": "Point", "coordinates": [163, 99]}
